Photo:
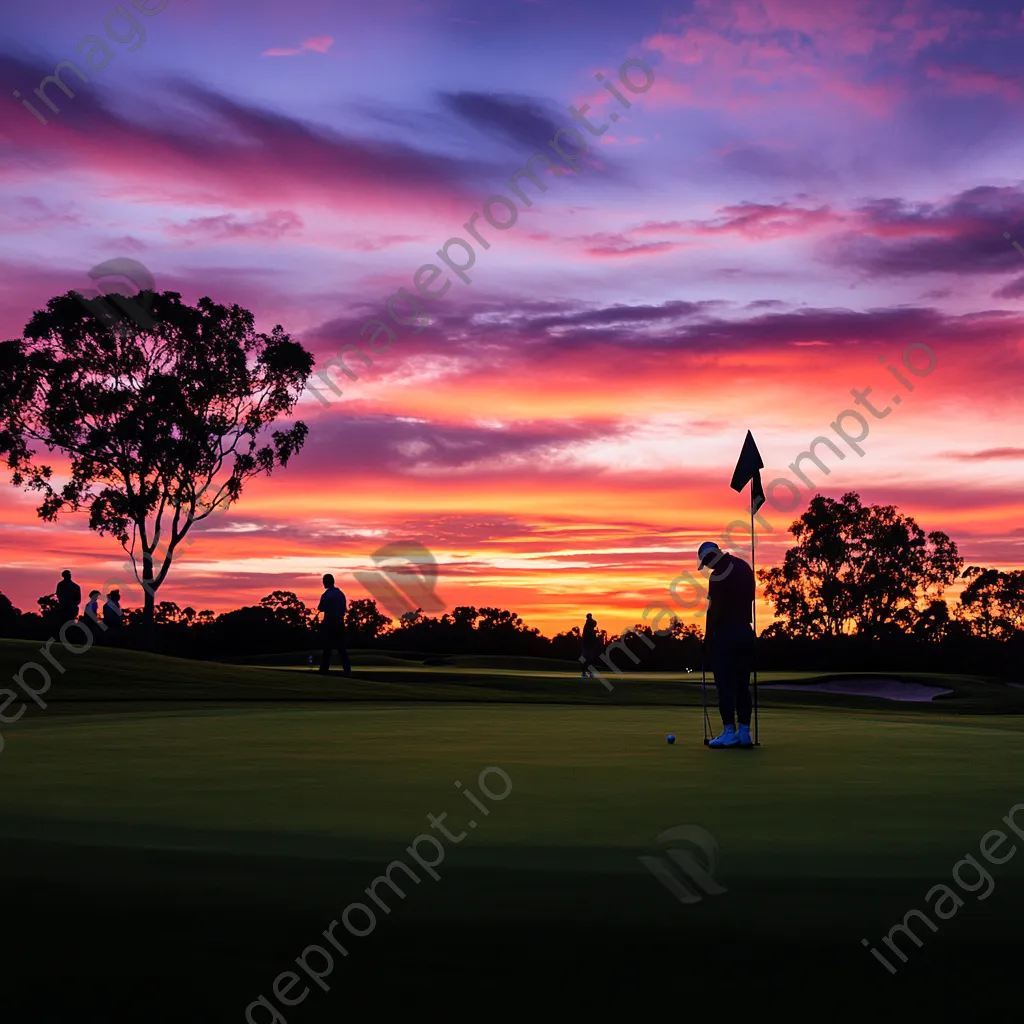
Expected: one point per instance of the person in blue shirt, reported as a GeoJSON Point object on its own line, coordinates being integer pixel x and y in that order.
{"type": "Point", "coordinates": [92, 609]}
{"type": "Point", "coordinates": [332, 628]}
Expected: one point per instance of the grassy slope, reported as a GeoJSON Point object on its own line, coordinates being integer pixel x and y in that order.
{"type": "Point", "coordinates": [104, 675]}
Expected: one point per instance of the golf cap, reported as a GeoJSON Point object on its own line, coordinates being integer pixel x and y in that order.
{"type": "Point", "coordinates": [705, 551]}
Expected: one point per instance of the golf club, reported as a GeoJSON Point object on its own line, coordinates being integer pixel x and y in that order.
{"type": "Point", "coordinates": [704, 700]}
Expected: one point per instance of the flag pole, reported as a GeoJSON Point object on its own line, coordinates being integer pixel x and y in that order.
{"type": "Point", "coordinates": [753, 610]}
{"type": "Point", "coordinates": [748, 470]}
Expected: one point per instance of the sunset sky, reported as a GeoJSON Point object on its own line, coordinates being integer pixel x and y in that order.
{"type": "Point", "coordinates": [807, 189]}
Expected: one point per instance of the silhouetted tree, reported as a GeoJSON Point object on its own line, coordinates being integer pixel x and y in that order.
{"type": "Point", "coordinates": [932, 622]}
{"type": "Point", "coordinates": [49, 610]}
{"type": "Point", "coordinates": [465, 615]}
{"type": "Point", "coordinates": [162, 424]}
{"type": "Point", "coordinates": [167, 613]}
{"type": "Point", "coordinates": [497, 618]}
{"type": "Point", "coordinates": [258, 629]}
{"type": "Point", "coordinates": [462, 621]}
{"type": "Point", "coordinates": [992, 604]}
{"type": "Point", "coordinates": [856, 569]}
{"type": "Point", "coordinates": [364, 621]}
{"type": "Point", "coordinates": [286, 608]}
{"type": "Point", "coordinates": [9, 617]}
{"type": "Point", "coordinates": [409, 620]}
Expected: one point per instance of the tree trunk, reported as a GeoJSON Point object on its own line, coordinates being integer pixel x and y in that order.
{"type": "Point", "coordinates": [149, 601]}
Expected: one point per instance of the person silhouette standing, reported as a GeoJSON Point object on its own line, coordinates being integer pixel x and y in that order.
{"type": "Point", "coordinates": [589, 647]}
{"type": "Point", "coordinates": [332, 628]}
{"type": "Point", "coordinates": [69, 597]}
{"type": "Point", "coordinates": [113, 614]}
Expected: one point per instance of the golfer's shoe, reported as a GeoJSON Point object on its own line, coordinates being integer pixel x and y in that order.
{"type": "Point", "coordinates": [729, 738]}
{"type": "Point", "coordinates": [745, 740]}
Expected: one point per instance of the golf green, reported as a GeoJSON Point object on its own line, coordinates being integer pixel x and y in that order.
{"type": "Point", "coordinates": [830, 794]}
{"type": "Point", "coordinates": [263, 824]}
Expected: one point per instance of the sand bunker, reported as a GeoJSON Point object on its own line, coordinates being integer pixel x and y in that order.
{"type": "Point", "coordinates": [868, 686]}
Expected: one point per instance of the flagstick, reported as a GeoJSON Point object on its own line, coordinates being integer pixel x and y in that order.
{"type": "Point", "coordinates": [753, 612]}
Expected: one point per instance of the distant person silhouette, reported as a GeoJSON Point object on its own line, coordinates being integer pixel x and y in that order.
{"type": "Point", "coordinates": [69, 597]}
{"type": "Point", "coordinates": [332, 629]}
{"type": "Point", "coordinates": [92, 609]}
{"type": "Point", "coordinates": [113, 615]}
{"type": "Point", "coordinates": [590, 647]}
{"type": "Point", "coordinates": [731, 638]}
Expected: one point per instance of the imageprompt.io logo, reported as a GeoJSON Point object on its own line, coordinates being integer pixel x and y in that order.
{"type": "Point", "coordinates": [415, 577]}
{"type": "Point", "coordinates": [682, 873]}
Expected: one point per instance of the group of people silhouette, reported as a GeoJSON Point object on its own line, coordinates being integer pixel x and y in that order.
{"type": "Point", "coordinates": [69, 600]}
{"type": "Point", "coordinates": [333, 607]}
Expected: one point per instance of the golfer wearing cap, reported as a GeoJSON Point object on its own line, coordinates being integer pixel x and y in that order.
{"type": "Point", "coordinates": [730, 635]}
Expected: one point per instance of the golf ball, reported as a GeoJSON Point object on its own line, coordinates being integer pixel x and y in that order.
{"type": "Point", "coordinates": [671, 738]}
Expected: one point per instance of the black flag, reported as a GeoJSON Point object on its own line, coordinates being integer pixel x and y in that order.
{"type": "Point", "coordinates": [749, 468]}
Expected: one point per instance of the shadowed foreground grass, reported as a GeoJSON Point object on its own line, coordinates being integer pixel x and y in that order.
{"type": "Point", "coordinates": [170, 865]}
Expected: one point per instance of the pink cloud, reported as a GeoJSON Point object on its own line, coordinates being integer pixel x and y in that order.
{"type": "Point", "coordinates": [746, 54]}
{"type": "Point", "coordinates": [228, 226]}
{"type": "Point", "coordinates": [315, 44]}
{"type": "Point", "coordinates": [233, 156]}
{"type": "Point", "coordinates": [986, 454]}
{"type": "Point", "coordinates": [749, 73]}
{"type": "Point", "coordinates": [764, 221]}
{"type": "Point", "coordinates": [646, 249]}
{"type": "Point", "coordinates": [668, 93]}
{"type": "Point", "coordinates": [615, 246]}
{"type": "Point", "coordinates": [658, 227]}
{"type": "Point", "coordinates": [967, 81]}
